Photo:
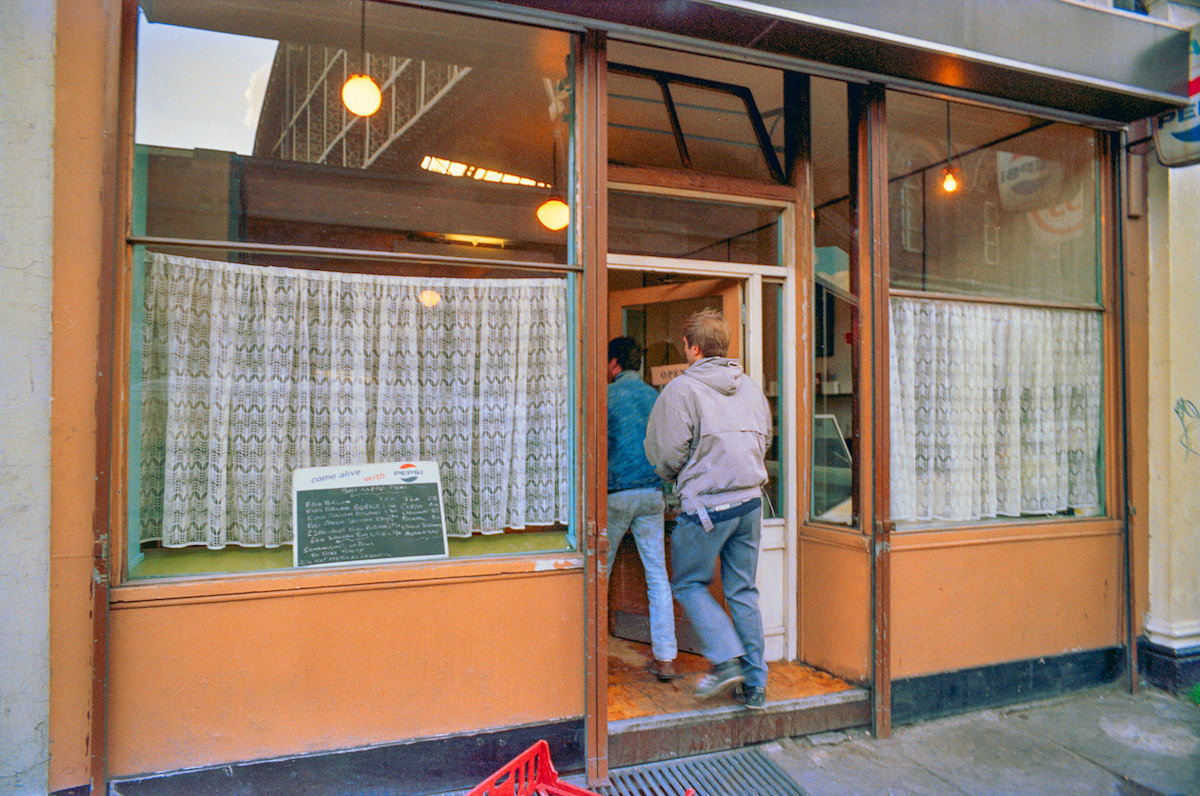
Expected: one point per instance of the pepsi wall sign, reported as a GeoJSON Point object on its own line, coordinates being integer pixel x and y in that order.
{"type": "Point", "coordinates": [1177, 132]}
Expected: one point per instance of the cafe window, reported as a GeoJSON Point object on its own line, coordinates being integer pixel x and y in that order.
{"type": "Point", "coordinates": [996, 340]}
{"type": "Point", "coordinates": [313, 288]}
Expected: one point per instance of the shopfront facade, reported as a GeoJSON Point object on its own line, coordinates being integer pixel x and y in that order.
{"type": "Point", "coordinates": [270, 285]}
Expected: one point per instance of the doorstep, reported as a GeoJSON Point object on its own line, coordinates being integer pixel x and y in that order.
{"type": "Point", "coordinates": [730, 726]}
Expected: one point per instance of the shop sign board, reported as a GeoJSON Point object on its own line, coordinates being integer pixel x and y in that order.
{"type": "Point", "coordinates": [661, 374]}
{"type": "Point", "coordinates": [1177, 132]}
{"type": "Point", "coordinates": [360, 513]}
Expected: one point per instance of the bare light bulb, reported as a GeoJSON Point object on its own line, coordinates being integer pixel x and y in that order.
{"type": "Point", "coordinates": [950, 182]}
{"type": "Point", "coordinates": [361, 96]}
{"type": "Point", "coordinates": [554, 214]}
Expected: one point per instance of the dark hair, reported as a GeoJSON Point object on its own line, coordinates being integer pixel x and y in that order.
{"type": "Point", "coordinates": [707, 331]}
{"type": "Point", "coordinates": [626, 351]}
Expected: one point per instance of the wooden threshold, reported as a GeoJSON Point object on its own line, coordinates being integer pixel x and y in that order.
{"type": "Point", "coordinates": [649, 720]}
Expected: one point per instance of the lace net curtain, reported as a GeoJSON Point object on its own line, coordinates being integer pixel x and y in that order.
{"type": "Point", "coordinates": [250, 372]}
{"type": "Point", "coordinates": [995, 410]}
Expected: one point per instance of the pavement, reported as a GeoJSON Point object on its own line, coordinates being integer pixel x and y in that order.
{"type": "Point", "coordinates": [1102, 740]}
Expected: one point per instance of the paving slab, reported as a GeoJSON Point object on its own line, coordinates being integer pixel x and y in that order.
{"type": "Point", "coordinates": [857, 765]}
{"type": "Point", "coordinates": [1151, 739]}
{"type": "Point", "coordinates": [1098, 741]}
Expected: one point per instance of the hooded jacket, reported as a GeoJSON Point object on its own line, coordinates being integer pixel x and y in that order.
{"type": "Point", "coordinates": [708, 434]}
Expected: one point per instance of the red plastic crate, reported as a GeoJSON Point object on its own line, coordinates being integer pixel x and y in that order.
{"type": "Point", "coordinates": [529, 774]}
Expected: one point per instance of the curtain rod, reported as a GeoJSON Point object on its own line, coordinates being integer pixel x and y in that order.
{"type": "Point", "coordinates": [349, 254]}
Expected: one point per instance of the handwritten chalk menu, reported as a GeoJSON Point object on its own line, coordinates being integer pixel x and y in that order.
{"type": "Point", "coordinates": [368, 513]}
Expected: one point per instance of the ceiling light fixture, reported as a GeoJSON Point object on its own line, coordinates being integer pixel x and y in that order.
{"type": "Point", "coordinates": [360, 94]}
{"type": "Point", "coordinates": [554, 213]}
{"type": "Point", "coordinates": [951, 177]}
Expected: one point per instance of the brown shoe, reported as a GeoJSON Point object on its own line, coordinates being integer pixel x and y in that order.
{"type": "Point", "coordinates": [663, 670]}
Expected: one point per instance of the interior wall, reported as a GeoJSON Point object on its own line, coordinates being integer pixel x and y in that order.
{"type": "Point", "coordinates": [971, 598]}
{"type": "Point", "coordinates": [309, 666]}
{"type": "Point", "coordinates": [26, 150]}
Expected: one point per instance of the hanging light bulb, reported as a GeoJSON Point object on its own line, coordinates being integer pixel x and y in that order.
{"type": "Point", "coordinates": [950, 180]}
{"type": "Point", "coordinates": [951, 177]}
{"type": "Point", "coordinates": [361, 94]}
{"type": "Point", "coordinates": [554, 214]}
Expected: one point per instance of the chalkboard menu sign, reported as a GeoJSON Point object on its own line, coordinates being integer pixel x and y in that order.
{"type": "Point", "coordinates": [367, 513]}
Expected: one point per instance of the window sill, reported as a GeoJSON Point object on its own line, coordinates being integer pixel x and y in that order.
{"type": "Point", "coordinates": [291, 582]}
{"type": "Point", "coordinates": [1002, 531]}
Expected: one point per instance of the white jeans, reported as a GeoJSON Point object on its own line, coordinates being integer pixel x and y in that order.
{"type": "Point", "coordinates": [641, 511]}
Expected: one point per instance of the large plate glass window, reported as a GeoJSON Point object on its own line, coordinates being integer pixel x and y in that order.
{"type": "Point", "coordinates": [835, 311]}
{"type": "Point", "coordinates": [996, 315]}
{"type": "Point", "coordinates": [315, 288]}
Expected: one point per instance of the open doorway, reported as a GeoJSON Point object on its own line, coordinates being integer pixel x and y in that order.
{"type": "Point", "coordinates": [734, 262]}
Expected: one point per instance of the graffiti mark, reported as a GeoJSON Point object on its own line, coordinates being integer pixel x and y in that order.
{"type": "Point", "coordinates": [1189, 418]}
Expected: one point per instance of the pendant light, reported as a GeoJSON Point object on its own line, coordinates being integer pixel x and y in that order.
{"type": "Point", "coordinates": [951, 176]}
{"type": "Point", "coordinates": [361, 95]}
{"type": "Point", "coordinates": [554, 213]}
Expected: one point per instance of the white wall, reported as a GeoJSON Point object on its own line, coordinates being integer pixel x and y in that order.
{"type": "Point", "coordinates": [1173, 617]}
{"type": "Point", "coordinates": [26, 171]}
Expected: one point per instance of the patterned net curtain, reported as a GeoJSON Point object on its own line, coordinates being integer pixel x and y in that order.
{"type": "Point", "coordinates": [995, 410]}
{"type": "Point", "coordinates": [250, 372]}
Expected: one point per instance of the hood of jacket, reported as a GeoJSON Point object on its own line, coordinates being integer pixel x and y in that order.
{"type": "Point", "coordinates": [720, 373]}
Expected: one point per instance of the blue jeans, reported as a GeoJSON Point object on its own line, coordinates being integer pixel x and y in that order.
{"type": "Point", "coordinates": [694, 553]}
{"type": "Point", "coordinates": [641, 511]}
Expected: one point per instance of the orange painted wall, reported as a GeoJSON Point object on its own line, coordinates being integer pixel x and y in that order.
{"type": "Point", "coordinates": [82, 142]}
{"type": "Point", "coordinates": [835, 603]}
{"type": "Point", "coordinates": [198, 681]}
{"type": "Point", "coordinates": [989, 597]}
{"type": "Point", "coordinates": [1137, 331]}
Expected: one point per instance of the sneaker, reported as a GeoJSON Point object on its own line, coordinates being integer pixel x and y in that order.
{"type": "Point", "coordinates": [751, 696]}
{"type": "Point", "coordinates": [663, 670]}
{"type": "Point", "coordinates": [722, 676]}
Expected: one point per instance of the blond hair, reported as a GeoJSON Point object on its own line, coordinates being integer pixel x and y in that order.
{"type": "Point", "coordinates": [707, 331]}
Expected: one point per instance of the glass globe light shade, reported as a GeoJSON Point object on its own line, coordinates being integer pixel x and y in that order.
{"type": "Point", "coordinates": [361, 95]}
{"type": "Point", "coordinates": [554, 214]}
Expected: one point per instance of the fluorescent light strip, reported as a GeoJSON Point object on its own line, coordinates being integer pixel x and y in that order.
{"type": "Point", "coordinates": [452, 168]}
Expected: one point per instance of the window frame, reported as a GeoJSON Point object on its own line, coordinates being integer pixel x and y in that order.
{"type": "Point", "coordinates": [1111, 451]}
{"type": "Point", "coordinates": [133, 242]}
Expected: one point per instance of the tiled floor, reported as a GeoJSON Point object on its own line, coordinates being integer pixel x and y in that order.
{"type": "Point", "coordinates": [633, 692]}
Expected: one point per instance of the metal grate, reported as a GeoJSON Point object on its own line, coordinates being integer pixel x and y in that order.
{"type": "Point", "coordinates": [740, 772]}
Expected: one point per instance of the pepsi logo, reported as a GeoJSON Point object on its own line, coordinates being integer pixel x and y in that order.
{"type": "Point", "coordinates": [409, 472]}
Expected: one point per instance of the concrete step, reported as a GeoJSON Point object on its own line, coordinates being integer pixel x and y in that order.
{"type": "Point", "coordinates": [728, 725]}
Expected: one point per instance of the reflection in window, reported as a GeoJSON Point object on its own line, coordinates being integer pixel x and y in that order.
{"type": "Point", "coordinates": [682, 111]}
{"type": "Point", "coordinates": [834, 312]}
{"type": "Point", "coordinates": [773, 386]}
{"type": "Point", "coordinates": [1023, 225]}
{"type": "Point", "coordinates": [692, 229]}
{"type": "Point", "coordinates": [245, 138]}
{"type": "Point", "coordinates": [996, 406]}
{"type": "Point", "coordinates": [248, 363]}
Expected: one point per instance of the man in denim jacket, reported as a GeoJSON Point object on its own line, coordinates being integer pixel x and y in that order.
{"type": "Point", "coordinates": [708, 434]}
{"type": "Point", "coordinates": [635, 498]}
